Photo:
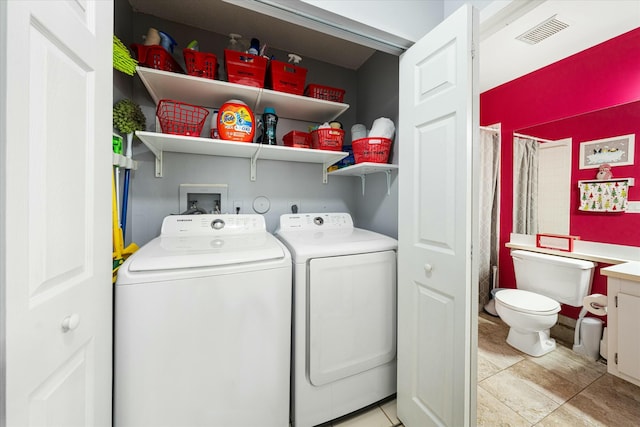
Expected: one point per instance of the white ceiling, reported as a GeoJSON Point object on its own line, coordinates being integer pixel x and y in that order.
{"type": "Point", "coordinates": [502, 57]}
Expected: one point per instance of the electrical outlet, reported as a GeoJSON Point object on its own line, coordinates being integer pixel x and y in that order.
{"type": "Point", "coordinates": [293, 206]}
{"type": "Point", "coordinates": [237, 206]}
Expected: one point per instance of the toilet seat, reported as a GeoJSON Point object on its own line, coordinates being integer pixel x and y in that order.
{"type": "Point", "coordinates": [527, 302]}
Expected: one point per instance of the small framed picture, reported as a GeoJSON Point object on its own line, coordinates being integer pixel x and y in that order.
{"type": "Point", "coordinates": [616, 151]}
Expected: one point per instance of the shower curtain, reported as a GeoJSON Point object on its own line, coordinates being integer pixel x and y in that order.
{"type": "Point", "coordinates": [488, 251]}
{"type": "Point", "coordinates": [525, 185]}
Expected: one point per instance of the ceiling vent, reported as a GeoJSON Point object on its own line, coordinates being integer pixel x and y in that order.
{"type": "Point", "coordinates": [542, 31]}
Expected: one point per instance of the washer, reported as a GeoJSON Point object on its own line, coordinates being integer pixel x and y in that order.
{"type": "Point", "coordinates": [344, 316]}
{"type": "Point", "coordinates": [203, 326]}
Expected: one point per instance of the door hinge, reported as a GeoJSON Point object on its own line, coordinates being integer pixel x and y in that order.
{"type": "Point", "coordinates": [473, 50]}
{"type": "Point", "coordinates": [616, 358]}
{"type": "Point", "coordinates": [616, 299]}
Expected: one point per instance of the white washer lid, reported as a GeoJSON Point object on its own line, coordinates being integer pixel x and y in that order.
{"type": "Point", "coordinates": [527, 302]}
{"type": "Point", "coordinates": [171, 252]}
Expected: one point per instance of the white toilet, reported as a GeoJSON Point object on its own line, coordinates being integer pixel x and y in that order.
{"type": "Point", "coordinates": [543, 282]}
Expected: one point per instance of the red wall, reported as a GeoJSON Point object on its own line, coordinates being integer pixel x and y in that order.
{"type": "Point", "coordinates": [600, 77]}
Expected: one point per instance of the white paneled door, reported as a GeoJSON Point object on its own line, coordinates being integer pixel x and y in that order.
{"type": "Point", "coordinates": [55, 241]}
{"type": "Point", "coordinates": [437, 281]}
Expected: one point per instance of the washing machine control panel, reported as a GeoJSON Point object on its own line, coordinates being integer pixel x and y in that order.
{"type": "Point", "coordinates": [316, 221]}
{"type": "Point", "coordinates": [179, 225]}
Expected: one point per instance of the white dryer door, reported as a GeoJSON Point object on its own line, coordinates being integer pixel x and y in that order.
{"type": "Point", "coordinates": [352, 315]}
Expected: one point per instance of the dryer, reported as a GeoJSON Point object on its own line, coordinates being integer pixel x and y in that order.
{"type": "Point", "coordinates": [344, 316]}
{"type": "Point", "coordinates": [203, 326]}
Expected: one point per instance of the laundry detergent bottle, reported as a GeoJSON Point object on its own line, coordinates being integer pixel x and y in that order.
{"type": "Point", "coordinates": [236, 122]}
{"type": "Point", "coordinates": [269, 123]}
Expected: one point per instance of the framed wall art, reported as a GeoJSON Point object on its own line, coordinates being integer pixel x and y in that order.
{"type": "Point", "coordinates": [616, 151]}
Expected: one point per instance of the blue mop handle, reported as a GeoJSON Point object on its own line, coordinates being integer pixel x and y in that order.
{"type": "Point", "coordinates": [125, 200]}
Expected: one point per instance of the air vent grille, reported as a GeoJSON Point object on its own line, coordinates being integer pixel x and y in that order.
{"type": "Point", "coordinates": [542, 31]}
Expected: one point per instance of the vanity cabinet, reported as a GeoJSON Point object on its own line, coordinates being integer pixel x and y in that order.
{"type": "Point", "coordinates": [623, 321]}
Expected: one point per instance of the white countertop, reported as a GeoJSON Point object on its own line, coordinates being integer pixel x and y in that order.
{"type": "Point", "coordinates": [591, 251]}
{"type": "Point", "coordinates": [626, 271]}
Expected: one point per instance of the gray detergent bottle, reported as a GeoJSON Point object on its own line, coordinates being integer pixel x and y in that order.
{"type": "Point", "coordinates": [269, 123]}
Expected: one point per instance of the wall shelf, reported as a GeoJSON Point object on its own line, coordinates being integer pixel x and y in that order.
{"type": "Point", "coordinates": [366, 168]}
{"type": "Point", "coordinates": [213, 93]}
{"type": "Point", "coordinates": [631, 181]}
{"type": "Point", "coordinates": [158, 143]}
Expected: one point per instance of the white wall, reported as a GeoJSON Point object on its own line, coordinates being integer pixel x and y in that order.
{"type": "Point", "coordinates": [378, 97]}
{"type": "Point", "coordinates": [554, 187]}
{"type": "Point", "coordinates": [409, 19]}
{"type": "Point", "coordinates": [451, 6]}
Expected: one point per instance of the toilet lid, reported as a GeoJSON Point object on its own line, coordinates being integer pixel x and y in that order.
{"type": "Point", "coordinates": [527, 302]}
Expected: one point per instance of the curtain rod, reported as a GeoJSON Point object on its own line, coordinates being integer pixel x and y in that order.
{"type": "Point", "coordinates": [535, 138]}
{"type": "Point", "coordinates": [489, 129]}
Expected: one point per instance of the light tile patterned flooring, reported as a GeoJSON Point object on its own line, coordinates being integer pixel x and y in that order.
{"type": "Point", "coordinates": [382, 414]}
{"type": "Point", "coordinates": [560, 389]}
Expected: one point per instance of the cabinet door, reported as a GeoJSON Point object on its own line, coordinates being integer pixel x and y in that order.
{"type": "Point", "coordinates": [628, 335]}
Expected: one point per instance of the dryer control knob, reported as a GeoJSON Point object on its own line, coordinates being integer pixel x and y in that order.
{"type": "Point", "coordinates": [217, 224]}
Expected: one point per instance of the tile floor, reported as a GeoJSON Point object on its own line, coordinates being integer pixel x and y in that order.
{"type": "Point", "coordinates": [560, 388]}
{"type": "Point", "coordinates": [382, 414]}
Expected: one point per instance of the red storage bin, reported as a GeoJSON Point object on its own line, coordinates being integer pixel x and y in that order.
{"type": "Point", "coordinates": [297, 139]}
{"type": "Point", "coordinates": [179, 118]}
{"type": "Point", "coordinates": [327, 139]}
{"type": "Point", "coordinates": [374, 150]}
{"type": "Point", "coordinates": [155, 56]}
{"type": "Point", "coordinates": [325, 92]}
{"type": "Point", "coordinates": [245, 69]}
{"type": "Point", "coordinates": [285, 77]}
{"type": "Point", "coordinates": [200, 64]}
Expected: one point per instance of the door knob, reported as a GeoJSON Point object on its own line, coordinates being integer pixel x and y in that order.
{"type": "Point", "coordinates": [70, 322]}
{"type": "Point", "coordinates": [428, 268]}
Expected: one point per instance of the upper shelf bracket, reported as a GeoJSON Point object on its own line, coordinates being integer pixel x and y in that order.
{"type": "Point", "coordinates": [387, 172]}
{"type": "Point", "coordinates": [254, 163]}
{"type": "Point", "coordinates": [325, 175]}
{"type": "Point", "coordinates": [158, 164]}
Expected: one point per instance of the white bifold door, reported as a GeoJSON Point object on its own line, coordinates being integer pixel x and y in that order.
{"type": "Point", "coordinates": [55, 212]}
{"type": "Point", "coordinates": [437, 281]}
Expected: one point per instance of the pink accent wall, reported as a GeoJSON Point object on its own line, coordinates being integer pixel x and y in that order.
{"type": "Point", "coordinates": [603, 76]}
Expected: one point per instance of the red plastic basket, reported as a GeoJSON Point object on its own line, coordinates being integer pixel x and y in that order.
{"type": "Point", "coordinates": [327, 139]}
{"type": "Point", "coordinates": [297, 139]}
{"type": "Point", "coordinates": [200, 64]}
{"type": "Point", "coordinates": [245, 69]}
{"type": "Point", "coordinates": [325, 92]}
{"type": "Point", "coordinates": [375, 150]}
{"type": "Point", "coordinates": [179, 118]}
{"type": "Point", "coordinates": [157, 57]}
{"type": "Point", "coordinates": [285, 77]}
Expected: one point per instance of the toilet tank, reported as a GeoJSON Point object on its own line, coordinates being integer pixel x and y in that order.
{"type": "Point", "coordinates": [566, 280]}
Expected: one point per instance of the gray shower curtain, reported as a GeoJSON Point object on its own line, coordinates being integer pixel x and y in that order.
{"type": "Point", "coordinates": [488, 251]}
{"type": "Point", "coordinates": [525, 185]}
